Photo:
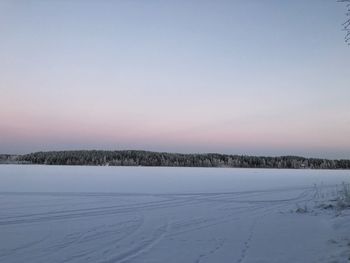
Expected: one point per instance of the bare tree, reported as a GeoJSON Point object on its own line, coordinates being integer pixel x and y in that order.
{"type": "Point", "coordinates": [346, 24]}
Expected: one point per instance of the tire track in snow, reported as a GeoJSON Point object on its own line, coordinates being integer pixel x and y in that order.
{"type": "Point", "coordinates": [99, 211]}
{"type": "Point", "coordinates": [8, 252]}
{"type": "Point", "coordinates": [143, 247]}
{"type": "Point", "coordinates": [218, 246]}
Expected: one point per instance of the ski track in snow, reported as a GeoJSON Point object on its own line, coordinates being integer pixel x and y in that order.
{"type": "Point", "coordinates": [119, 228]}
{"type": "Point", "coordinates": [252, 206]}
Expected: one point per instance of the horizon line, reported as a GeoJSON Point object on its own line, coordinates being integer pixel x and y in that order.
{"type": "Point", "coordinates": [191, 153]}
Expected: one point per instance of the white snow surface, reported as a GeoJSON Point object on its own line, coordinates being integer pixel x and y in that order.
{"type": "Point", "coordinates": [139, 214]}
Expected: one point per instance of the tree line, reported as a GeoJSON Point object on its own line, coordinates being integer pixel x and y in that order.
{"type": "Point", "coordinates": [147, 158]}
{"type": "Point", "coordinates": [8, 159]}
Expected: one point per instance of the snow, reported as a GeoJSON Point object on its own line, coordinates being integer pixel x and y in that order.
{"type": "Point", "coordinates": [138, 214]}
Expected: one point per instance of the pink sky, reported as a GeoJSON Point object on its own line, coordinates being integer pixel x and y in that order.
{"type": "Point", "coordinates": [130, 76]}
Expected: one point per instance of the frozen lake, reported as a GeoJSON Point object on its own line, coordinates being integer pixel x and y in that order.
{"type": "Point", "coordinates": [141, 214]}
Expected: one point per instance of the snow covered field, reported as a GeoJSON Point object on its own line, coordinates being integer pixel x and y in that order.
{"type": "Point", "coordinates": [135, 214]}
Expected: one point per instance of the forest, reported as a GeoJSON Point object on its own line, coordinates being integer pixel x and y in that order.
{"type": "Point", "coordinates": [147, 158]}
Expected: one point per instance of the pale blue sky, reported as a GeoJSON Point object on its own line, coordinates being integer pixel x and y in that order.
{"type": "Point", "coordinates": [240, 77]}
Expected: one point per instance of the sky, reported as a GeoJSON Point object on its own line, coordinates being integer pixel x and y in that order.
{"type": "Point", "coordinates": [252, 77]}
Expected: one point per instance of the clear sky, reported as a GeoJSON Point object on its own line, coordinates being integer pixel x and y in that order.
{"type": "Point", "coordinates": [262, 77]}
